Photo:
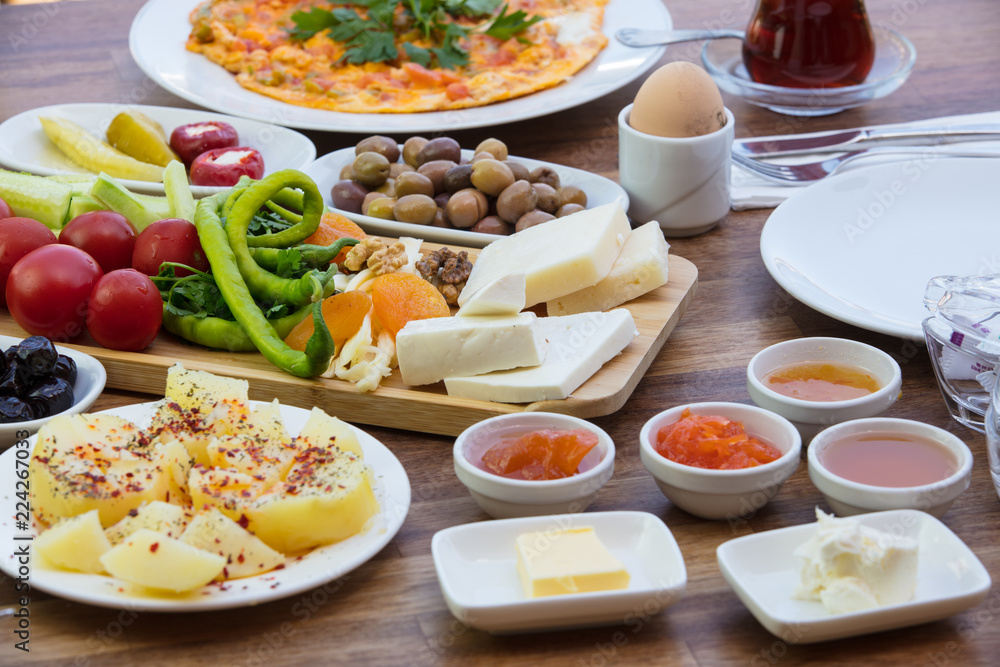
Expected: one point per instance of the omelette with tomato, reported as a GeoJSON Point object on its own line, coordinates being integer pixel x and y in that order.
{"type": "Point", "coordinates": [398, 56]}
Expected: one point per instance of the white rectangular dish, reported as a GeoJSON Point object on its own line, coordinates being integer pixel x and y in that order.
{"type": "Point", "coordinates": [477, 568]}
{"type": "Point", "coordinates": [763, 571]}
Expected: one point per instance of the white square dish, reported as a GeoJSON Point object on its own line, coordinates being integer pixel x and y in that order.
{"type": "Point", "coordinates": [763, 571]}
{"type": "Point", "coordinates": [477, 568]}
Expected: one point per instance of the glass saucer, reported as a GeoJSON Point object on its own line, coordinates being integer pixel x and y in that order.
{"type": "Point", "coordinates": [894, 59]}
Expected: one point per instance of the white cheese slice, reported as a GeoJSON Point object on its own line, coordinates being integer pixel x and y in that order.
{"type": "Point", "coordinates": [558, 257]}
{"type": "Point", "coordinates": [578, 345]}
{"type": "Point", "coordinates": [503, 296]}
{"type": "Point", "coordinates": [431, 350]}
{"type": "Point", "coordinates": [641, 267]}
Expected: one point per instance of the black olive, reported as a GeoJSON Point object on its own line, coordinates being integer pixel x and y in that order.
{"type": "Point", "coordinates": [65, 369]}
{"type": "Point", "coordinates": [50, 397]}
{"type": "Point", "coordinates": [11, 383]}
{"type": "Point", "coordinates": [13, 409]}
{"type": "Point", "coordinates": [36, 357]}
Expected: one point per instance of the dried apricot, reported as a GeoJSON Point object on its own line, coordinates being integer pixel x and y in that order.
{"type": "Point", "coordinates": [343, 314]}
{"type": "Point", "coordinates": [712, 441]}
{"type": "Point", "coordinates": [333, 226]}
{"type": "Point", "coordinates": [543, 454]}
{"type": "Point", "coordinates": [399, 298]}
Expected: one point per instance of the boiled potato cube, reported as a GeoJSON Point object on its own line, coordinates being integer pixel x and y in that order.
{"type": "Point", "coordinates": [266, 459]}
{"type": "Point", "coordinates": [198, 389]}
{"type": "Point", "coordinates": [75, 544]}
{"type": "Point", "coordinates": [245, 554]}
{"type": "Point", "coordinates": [228, 490]}
{"type": "Point", "coordinates": [151, 559]}
{"type": "Point", "coordinates": [322, 430]}
{"type": "Point", "coordinates": [159, 516]}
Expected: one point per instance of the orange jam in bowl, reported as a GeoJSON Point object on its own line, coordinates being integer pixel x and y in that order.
{"type": "Point", "coordinates": [712, 441]}
{"type": "Point", "coordinates": [542, 454]}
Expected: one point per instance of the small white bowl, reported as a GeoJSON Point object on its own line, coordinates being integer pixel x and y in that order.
{"type": "Point", "coordinates": [847, 498]}
{"type": "Point", "coordinates": [811, 417]}
{"type": "Point", "coordinates": [504, 498]}
{"type": "Point", "coordinates": [723, 494]}
{"type": "Point", "coordinates": [90, 380]}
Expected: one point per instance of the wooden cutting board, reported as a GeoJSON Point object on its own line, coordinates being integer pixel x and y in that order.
{"type": "Point", "coordinates": [426, 409]}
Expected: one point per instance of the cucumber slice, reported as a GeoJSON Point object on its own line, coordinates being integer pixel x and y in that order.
{"type": "Point", "coordinates": [141, 210]}
{"type": "Point", "coordinates": [36, 197]}
{"type": "Point", "coordinates": [178, 190]}
{"type": "Point", "coordinates": [81, 204]}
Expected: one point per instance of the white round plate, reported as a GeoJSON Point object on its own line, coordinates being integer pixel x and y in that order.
{"type": "Point", "coordinates": [326, 172]}
{"type": "Point", "coordinates": [90, 380]}
{"type": "Point", "coordinates": [860, 246]}
{"type": "Point", "coordinates": [161, 28]}
{"type": "Point", "coordinates": [320, 566]}
{"type": "Point", "coordinates": [24, 146]}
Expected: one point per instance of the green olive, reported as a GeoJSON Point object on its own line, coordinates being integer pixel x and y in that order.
{"type": "Point", "coordinates": [568, 209]}
{"type": "Point", "coordinates": [346, 172]}
{"type": "Point", "coordinates": [441, 220]}
{"type": "Point", "coordinates": [377, 144]}
{"type": "Point", "coordinates": [494, 147]}
{"type": "Point", "coordinates": [458, 178]}
{"type": "Point", "coordinates": [491, 176]}
{"type": "Point", "coordinates": [532, 218]}
{"type": "Point", "coordinates": [570, 194]}
{"type": "Point", "coordinates": [545, 175]}
{"type": "Point", "coordinates": [491, 224]}
{"type": "Point", "coordinates": [520, 172]}
{"type": "Point", "coordinates": [435, 170]}
{"type": "Point", "coordinates": [410, 150]}
{"type": "Point", "coordinates": [370, 169]}
{"type": "Point", "coordinates": [466, 207]}
{"type": "Point", "coordinates": [387, 188]}
{"type": "Point", "coordinates": [369, 198]}
{"type": "Point", "coordinates": [439, 148]}
{"type": "Point", "coordinates": [397, 168]}
{"type": "Point", "coordinates": [516, 200]}
{"type": "Point", "coordinates": [382, 208]}
{"type": "Point", "coordinates": [548, 200]}
{"type": "Point", "coordinates": [414, 183]}
{"type": "Point", "coordinates": [416, 209]}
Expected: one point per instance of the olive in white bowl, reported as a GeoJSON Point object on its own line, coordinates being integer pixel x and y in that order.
{"type": "Point", "coordinates": [723, 493]}
{"type": "Point", "coordinates": [87, 384]}
{"type": "Point", "coordinates": [503, 497]}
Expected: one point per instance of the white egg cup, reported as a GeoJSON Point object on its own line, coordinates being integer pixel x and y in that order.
{"type": "Point", "coordinates": [683, 183]}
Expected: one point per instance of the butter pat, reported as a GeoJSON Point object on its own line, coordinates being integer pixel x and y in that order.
{"type": "Point", "coordinates": [557, 258]}
{"type": "Point", "coordinates": [851, 567]}
{"type": "Point", "coordinates": [503, 296]}
{"type": "Point", "coordinates": [578, 345]}
{"type": "Point", "coordinates": [431, 350]}
{"type": "Point", "coordinates": [568, 561]}
{"type": "Point", "coordinates": [641, 267]}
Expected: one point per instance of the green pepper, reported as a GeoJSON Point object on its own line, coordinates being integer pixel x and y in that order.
{"type": "Point", "coordinates": [313, 256]}
{"type": "Point", "coordinates": [320, 346]}
{"type": "Point", "coordinates": [223, 334]}
{"type": "Point", "coordinates": [263, 284]}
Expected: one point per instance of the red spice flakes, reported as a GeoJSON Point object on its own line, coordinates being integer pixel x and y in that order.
{"type": "Point", "coordinates": [154, 546]}
{"type": "Point", "coordinates": [241, 558]}
{"type": "Point", "coordinates": [243, 521]}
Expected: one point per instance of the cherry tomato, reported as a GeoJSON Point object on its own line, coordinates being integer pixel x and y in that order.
{"type": "Point", "coordinates": [48, 289]}
{"type": "Point", "coordinates": [5, 210]}
{"type": "Point", "coordinates": [18, 237]}
{"type": "Point", "coordinates": [125, 311]}
{"type": "Point", "coordinates": [224, 166]}
{"type": "Point", "coordinates": [106, 236]}
{"type": "Point", "coordinates": [191, 140]}
{"type": "Point", "coordinates": [170, 240]}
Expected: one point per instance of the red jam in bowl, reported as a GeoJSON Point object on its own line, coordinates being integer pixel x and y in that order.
{"type": "Point", "coordinates": [889, 458]}
{"type": "Point", "coordinates": [712, 441]}
{"type": "Point", "coordinates": [537, 455]}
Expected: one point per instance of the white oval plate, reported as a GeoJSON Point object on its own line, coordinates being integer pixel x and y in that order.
{"type": "Point", "coordinates": [763, 571]}
{"type": "Point", "coordinates": [326, 172]}
{"type": "Point", "coordinates": [319, 566]}
{"type": "Point", "coordinates": [90, 380]}
{"type": "Point", "coordinates": [24, 146]}
{"type": "Point", "coordinates": [860, 246]}
{"type": "Point", "coordinates": [161, 28]}
{"type": "Point", "coordinates": [476, 566]}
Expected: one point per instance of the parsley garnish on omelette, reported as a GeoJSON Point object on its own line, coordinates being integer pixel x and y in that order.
{"type": "Point", "coordinates": [398, 56]}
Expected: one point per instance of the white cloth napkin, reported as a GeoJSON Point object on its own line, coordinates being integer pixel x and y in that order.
{"type": "Point", "coordinates": [749, 191]}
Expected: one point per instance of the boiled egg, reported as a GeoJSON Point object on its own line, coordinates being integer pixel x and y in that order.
{"type": "Point", "coordinates": [678, 100]}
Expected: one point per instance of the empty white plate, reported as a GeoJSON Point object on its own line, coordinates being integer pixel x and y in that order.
{"type": "Point", "coordinates": [763, 572]}
{"type": "Point", "coordinates": [477, 568]}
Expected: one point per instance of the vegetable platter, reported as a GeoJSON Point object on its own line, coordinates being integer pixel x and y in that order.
{"type": "Point", "coordinates": [424, 409]}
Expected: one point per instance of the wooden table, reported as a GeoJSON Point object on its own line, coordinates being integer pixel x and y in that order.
{"type": "Point", "coordinates": [390, 611]}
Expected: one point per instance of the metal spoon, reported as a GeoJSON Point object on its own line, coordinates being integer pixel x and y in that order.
{"type": "Point", "coordinates": [642, 38]}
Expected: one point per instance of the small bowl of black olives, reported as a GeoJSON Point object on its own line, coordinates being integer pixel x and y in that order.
{"type": "Point", "coordinates": [39, 380]}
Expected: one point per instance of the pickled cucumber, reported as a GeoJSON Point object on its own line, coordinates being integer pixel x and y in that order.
{"type": "Point", "coordinates": [95, 155]}
{"type": "Point", "coordinates": [141, 137]}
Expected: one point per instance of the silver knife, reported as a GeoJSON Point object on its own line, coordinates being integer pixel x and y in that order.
{"type": "Point", "coordinates": [831, 142]}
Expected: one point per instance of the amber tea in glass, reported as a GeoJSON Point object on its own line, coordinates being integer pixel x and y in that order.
{"type": "Point", "coordinates": [809, 43]}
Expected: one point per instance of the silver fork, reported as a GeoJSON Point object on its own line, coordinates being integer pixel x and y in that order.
{"type": "Point", "coordinates": [790, 174]}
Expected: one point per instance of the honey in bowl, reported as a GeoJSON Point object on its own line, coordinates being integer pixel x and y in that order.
{"type": "Point", "coordinates": [821, 381]}
{"type": "Point", "coordinates": [809, 43]}
{"type": "Point", "coordinates": [889, 458]}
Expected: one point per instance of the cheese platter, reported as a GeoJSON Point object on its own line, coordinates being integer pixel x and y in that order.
{"type": "Point", "coordinates": [427, 409]}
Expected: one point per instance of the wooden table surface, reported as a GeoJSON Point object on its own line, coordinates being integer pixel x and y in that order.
{"type": "Point", "coordinates": [390, 611]}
